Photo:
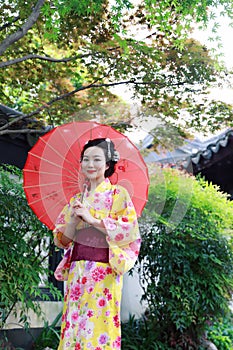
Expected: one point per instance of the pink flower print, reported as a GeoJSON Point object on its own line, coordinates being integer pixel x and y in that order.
{"type": "Point", "coordinates": [108, 270]}
{"type": "Point", "coordinates": [134, 246]}
{"type": "Point", "coordinates": [108, 201]}
{"type": "Point", "coordinates": [119, 237]}
{"type": "Point", "coordinates": [116, 321]}
{"type": "Point", "coordinates": [130, 253]}
{"type": "Point", "coordinates": [90, 289]}
{"type": "Point", "coordinates": [103, 338]}
{"type": "Point", "coordinates": [101, 302]}
{"type": "Point", "coordinates": [63, 334]}
{"type": "Point", "coordinates": [84, 280]}
{"type": "Point", "coordinates": [117, 343]}
{"type": "Point", "coordinates": [107, 313]}
{"type": "Point", "coordinates": [98, 274]}
{"type": "Point", "coordinates": [98, 348]}
{"type": "Point", "coordinates": [67, 325]}
{"type": "Point", "coordinates": [74, 316]}
{"type": "Point", "coordinates": [75, 293]}
{"type": "Point", "coordinates": [110, 224]}
{"type": "Point", "coordinates": [89, 265]}
{"type": "Point", "coordinates": [90, 313]}
{"type": "Point", "coordinates": [82, 324]}
{"type": "Point", "coordinates": [67, 334]}
{"type": "Point", "coordinates": [125, 227]}
{"type": "Point", "coordinates": [116, 191]}
{"type": "Point", "coordinates": [89, 330]}
{"type": "Point", "coordinates": [106, 291]}
{"type": "Point", "coordinates": [108, 294]}
{"type": "Point", "coordinates": [77, 346]}
{"type": "Point", "coordinates": [61, 219]}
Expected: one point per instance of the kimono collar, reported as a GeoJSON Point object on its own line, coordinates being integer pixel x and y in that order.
{"type": "Point", "coordinates": [104, 186]}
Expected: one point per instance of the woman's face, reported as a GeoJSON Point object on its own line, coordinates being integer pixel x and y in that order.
{"type": "Point", "coordinates": [94, 164]}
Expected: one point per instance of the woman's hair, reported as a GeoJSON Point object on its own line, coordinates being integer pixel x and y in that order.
{"type": "Point", "coordinates": [111, 155]}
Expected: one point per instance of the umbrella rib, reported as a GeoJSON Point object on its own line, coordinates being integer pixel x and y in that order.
{"type": "Point", "coordinates": [52, 207]}
{"type": "Point", "coordinates": [49, 195]}
{"type": "Point", "coordinates": [64, 139]}
{"type": "Point", "coordinates": [54, 174]}
{"type": "Point", "coordinates": [49, 184]}
{"type": "Point", "coordinates": [54, 149]}
{"type": "Point", "coordinates": [52, 163]}
{"type": "Point", "coordinates": [68, 146]}
{"type": "Point", "coordinates": [76, 129]}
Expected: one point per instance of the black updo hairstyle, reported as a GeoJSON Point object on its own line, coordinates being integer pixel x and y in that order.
{"type": "Point", "coordinates": [105, 146]}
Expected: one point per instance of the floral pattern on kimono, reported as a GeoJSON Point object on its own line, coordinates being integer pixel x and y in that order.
{"type": "Point", "coordinates": [91, 313]}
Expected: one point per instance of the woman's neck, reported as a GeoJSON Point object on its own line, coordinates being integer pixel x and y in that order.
{"type": "Point", "coordinates": [94, 184]}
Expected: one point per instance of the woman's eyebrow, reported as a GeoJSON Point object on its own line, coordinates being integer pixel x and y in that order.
{"type": "Point", "coordinates": [94, 155]}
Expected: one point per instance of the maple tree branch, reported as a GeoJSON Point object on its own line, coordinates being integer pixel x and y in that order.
{"type": "Point", "coordinates": [11, 39]}
{"type": "Point", "coordinates": [66, 95]}
{"type": "Point", "coordinates": [4, 64]}
{"type": "Point", "coordinates": [46, 105]}
{"type": "Point", "coordinates": [43, 58]}
{"type": "Point", "coordinates": [22, 131]}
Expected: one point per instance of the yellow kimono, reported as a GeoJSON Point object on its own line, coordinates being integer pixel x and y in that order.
{"type": "Point", "coordinates": [91, 314]}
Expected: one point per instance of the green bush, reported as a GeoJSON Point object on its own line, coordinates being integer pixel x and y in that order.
{"type": "Point", "coordinates": [186, 259]}
{"type": "Point", "coordinates": [50, 335]}
{"type": "Point", "coordinates": [139, 334]}
{"type": "Point", "coordinates": [221, 333]}
{"type": "Point", "coordinates": [24, 251]}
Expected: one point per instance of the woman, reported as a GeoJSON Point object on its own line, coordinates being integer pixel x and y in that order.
{"type": "Point", "coordinates": [101, 224]}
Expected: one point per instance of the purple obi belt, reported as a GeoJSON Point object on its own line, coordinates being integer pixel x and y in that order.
{"type": "Point", "coordinates": [90, 244]}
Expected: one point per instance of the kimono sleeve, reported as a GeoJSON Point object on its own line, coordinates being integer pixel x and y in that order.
{"type": "Point", "coordinates": [61, 222]}
{"type": "Point", "coordinates": [123, 234]}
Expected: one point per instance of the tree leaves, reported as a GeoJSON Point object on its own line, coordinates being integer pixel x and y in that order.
{"type": "Point", "coordinates": [88, 45]}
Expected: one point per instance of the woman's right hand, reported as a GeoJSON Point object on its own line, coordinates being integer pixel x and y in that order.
{"type": "Point", "coordinates": [74, 217]}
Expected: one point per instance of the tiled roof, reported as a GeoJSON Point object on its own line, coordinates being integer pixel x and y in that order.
{"type": "Point", "coordinates": [192, 151]}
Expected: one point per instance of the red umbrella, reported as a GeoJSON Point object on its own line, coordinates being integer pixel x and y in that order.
{"type": "Point", "coordinates": [52, 170]}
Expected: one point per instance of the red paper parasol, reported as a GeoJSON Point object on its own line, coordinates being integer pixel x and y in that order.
{"type": "Point", "coordinates": [52, 170]}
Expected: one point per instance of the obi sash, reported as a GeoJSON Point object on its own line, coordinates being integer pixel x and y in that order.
{"type": "Point", "coordinates": [90, 244]}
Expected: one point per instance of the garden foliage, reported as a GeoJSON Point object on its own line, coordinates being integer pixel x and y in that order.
{"type": "Point", "coordinates": [24, 251]}
{"type": "Point", "coordinates": [186, 260]}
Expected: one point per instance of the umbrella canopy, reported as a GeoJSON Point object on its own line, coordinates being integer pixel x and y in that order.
{"type": "Point", "coordinates": [52, 171]}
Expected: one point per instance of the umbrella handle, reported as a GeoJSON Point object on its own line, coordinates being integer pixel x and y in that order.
{"type": "Point", "coordinates": [84, 190]}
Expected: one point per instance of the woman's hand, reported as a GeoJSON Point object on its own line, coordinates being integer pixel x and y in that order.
{"type": "Point", "coordinates": [79, 211]}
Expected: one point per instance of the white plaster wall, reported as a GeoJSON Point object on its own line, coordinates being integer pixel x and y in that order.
{"type": "Point", "coordinates": [131, 297]}
{"type": "Point", "coordinates": [50, 310]}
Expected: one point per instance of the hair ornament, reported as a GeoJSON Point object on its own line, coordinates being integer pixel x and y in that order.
{"type": "Point", "coordinates": [116, 156]}
{"type": "Point", "coordinates": [109, 149]}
